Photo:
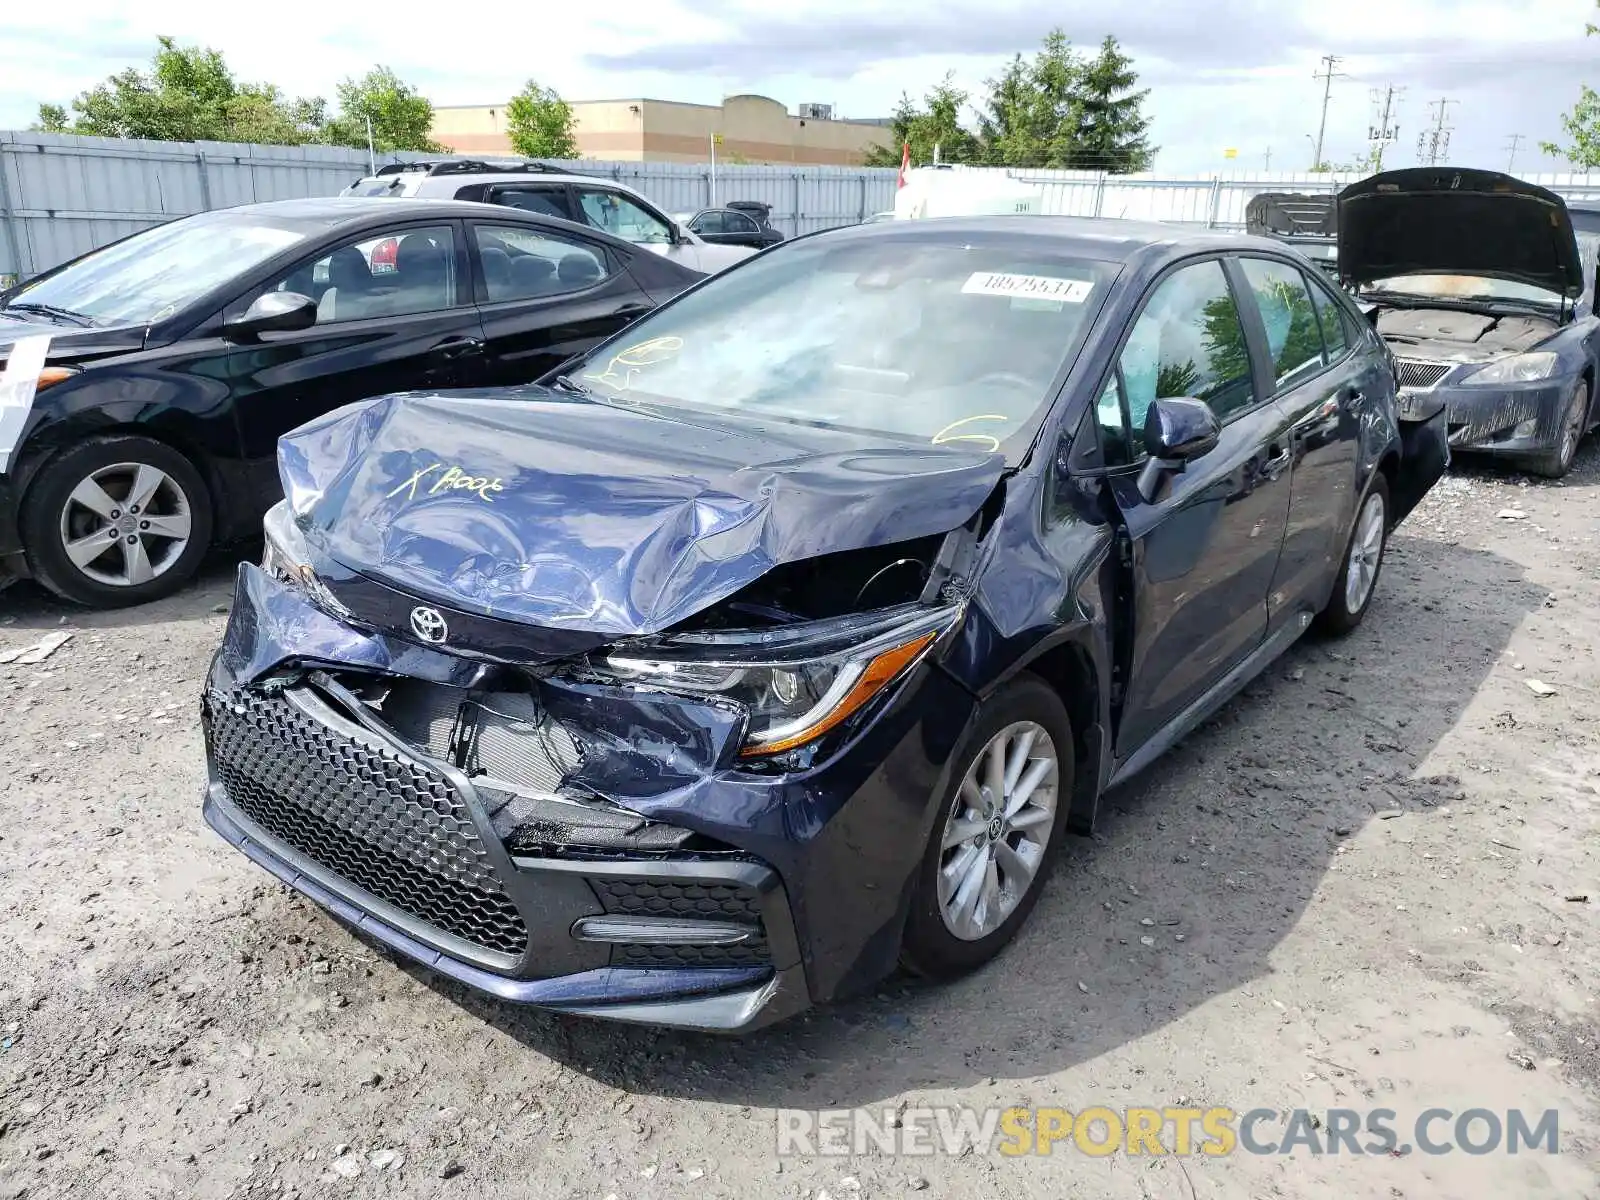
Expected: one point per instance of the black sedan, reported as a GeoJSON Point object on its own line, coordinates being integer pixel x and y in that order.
{"type": "Point", "coordinates": [739, 223]}
{"type": "Point", "coordinates": [147, 382]}
{"type": "Point", "coordinates": [782, 638]}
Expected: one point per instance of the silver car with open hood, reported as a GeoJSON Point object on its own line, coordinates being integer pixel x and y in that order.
{"type": "Point", "coordinates": [1486, 297]}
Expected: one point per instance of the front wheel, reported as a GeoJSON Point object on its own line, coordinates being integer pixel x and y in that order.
{"type": "Point", "coordinates": [996, 833]}
{"type": "Point", "coordinates": [116, 520]}
{"type": "Point", "coordinates": [1363, 560]}
{"type": "Point", "coordinates": [1556, 462]}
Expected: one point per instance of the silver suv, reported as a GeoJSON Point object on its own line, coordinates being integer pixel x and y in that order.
{"type": "Point", "coordinates": [536, 187]}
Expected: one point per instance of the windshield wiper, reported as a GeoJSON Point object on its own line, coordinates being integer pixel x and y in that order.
{"type": "Point", "coordinates": [50, 310]}
{"type": "Point", "coordinates": [568, 384]}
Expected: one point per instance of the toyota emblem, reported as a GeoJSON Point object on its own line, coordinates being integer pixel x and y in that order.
{"type": "Point", "coordinates": [429, 624]}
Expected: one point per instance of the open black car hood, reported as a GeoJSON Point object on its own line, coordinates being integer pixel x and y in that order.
{"type": "Point", "coordinates": [1454, 221]}
{"type": "Point", "coordinates": [551, 509]}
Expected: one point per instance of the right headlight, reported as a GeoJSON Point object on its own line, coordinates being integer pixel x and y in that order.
{"type": "Point", "coordinates": [287, 558]}
{"type": "Point", "coordinates": [792, 695]}
{"type": "Point", "coordinates": [1515, 368]}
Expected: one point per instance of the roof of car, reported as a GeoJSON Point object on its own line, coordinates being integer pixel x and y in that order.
{"type": "Point", "coordinates": [333, 212]}
{"type": "Point", "coordinates": [1108, 239]}
{"type": "Point", "coordinates": [341, 209]}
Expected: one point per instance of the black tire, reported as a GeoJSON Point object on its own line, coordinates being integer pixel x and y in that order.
{"type": "Point", "coordinates": [1557, 461]}
{"type": "Point", "coordinates": [1339, 618]}
{"type": "Point", "coordinates": [929, 947]}
{"type": "Point", "coordinates": [50, 514]}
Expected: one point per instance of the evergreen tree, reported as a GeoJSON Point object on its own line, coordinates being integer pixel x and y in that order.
{"type": "Point", "coordinates": [1110, 133]}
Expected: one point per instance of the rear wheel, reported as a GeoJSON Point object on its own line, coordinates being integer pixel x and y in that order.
{"type": "Point", "coordinates": [997, 832]}
{"type": "Point", "coordinates": [115, 521]}
{"type": "Point", "coordinates": [1556, 462]}
{"type": "Point", "coordinates": [1363, 560]}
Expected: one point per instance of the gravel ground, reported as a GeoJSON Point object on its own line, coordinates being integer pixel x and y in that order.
{"type": "Point", "coordinates": [1362, 885]}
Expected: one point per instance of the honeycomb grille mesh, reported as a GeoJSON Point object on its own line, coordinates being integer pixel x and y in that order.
{"type": "Point", "coordinates": [656, 898]}
{"type": "Point", "coordinates": [390, 825]}
{"type": "Point", "coordinates": [704, 901]}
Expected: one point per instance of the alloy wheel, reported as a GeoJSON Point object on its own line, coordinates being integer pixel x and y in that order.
{"type": "Point", "coordinates": [125, 524]}
{"type": "Point", "coordinates": [1572, 426]}
{"type": "Point", "coordinates": [997, 830]}
{"type": "Point", "coordinates": [1366, 550]}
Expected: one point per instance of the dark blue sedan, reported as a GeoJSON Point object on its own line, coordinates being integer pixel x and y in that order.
{"type": "Point", "coordinates": [782, 638]}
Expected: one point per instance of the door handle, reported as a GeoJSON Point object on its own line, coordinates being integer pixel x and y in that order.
{"type": "Point", "coordinates": [457, 347]}
{"type": "Point", "coordinates": [1275, 465]}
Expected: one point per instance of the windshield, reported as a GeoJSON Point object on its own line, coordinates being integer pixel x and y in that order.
{"type": "Point", "coordinates": [1464, 287]}
{"type": "Point", "coordinates": [922, 338]}
{"type": "Point", "coordinates": [151, 275]}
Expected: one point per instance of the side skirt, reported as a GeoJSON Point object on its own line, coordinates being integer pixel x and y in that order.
{"type": "Point", "coordinates": [1219, 694]}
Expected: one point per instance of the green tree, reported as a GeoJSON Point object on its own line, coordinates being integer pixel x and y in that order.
{"type": "Point", "coordinates": [401, 116]}
{"type": "Point", "coordinates": [1582, 125]}
{"type": "Point", "coordinates": [1032, 116]}
{"type": "Point", "coordinates": [189, 94]}
{"type": "Point", "coordinates": [936, 124]}
{"type": "Point", "coordinates": [52, 119]}
{"type": "Point", "coordinates": [541, 123]}
{"type": "Point", "coordinates": [1111, 133]}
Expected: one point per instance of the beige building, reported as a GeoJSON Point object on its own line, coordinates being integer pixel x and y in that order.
{"type": "Point", "coordinates": [749, 129]}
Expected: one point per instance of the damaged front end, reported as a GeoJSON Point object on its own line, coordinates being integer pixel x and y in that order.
{"type": "Point", "coordinates": [703, 826]}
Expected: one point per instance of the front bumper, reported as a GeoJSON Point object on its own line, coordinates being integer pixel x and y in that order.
{"type": "Point", "coordinates": [1487, 419]}
{"type": "Point", "coordinates": [13, 563]}
{"type": "Point", "coordinates": [402, 844]}
{"type": "Point", "coordinates": [723, 1000]}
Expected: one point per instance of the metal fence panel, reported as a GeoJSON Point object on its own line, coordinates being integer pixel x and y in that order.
{"type": "Point", "coordinates": [62, 195]}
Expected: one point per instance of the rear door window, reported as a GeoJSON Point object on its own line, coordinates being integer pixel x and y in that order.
{"type": "Point", "coordinates": [546, 201]}
{"type": "Point", "coordinates": [1335, 325]}
{"type": "Point", "coordinates": [523, 264]}
{"type": "Point", "coordinates": [1294, 337]}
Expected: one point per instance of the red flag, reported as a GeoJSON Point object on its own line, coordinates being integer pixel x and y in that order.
{"type": "Point", "coordinates": [905, 165]}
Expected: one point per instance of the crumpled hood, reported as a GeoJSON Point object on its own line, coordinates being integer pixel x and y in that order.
{"type": "Point", "coordinates": [1454, 221]}
{"type": "Point", "coordinates": [548, 508]}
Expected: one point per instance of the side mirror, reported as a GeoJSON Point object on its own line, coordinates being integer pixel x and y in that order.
{"type": "Point", "coordinates": [273, 312]}
{"type": "Point", "coordinates": [1176, 432]}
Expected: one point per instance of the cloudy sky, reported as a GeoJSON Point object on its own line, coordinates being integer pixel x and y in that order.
{"type": "Point", "coordinates": [1224, 73]}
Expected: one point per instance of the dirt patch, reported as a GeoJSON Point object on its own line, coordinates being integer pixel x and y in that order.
{"type": "Point", "coordinates": [1358, 887]}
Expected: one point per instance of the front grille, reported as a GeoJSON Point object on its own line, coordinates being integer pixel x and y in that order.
{"type": "Point", "coordinates": [1420, 373]}
{"type": "Point", "coordinates": [706, 901]}
{"type": "Point", "coordinates": [390, 825]}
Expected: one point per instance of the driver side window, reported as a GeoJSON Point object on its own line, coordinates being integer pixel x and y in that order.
{"type": "Point", "coordinates": [1188, 343]}
{"type": "Point", "coordinates": [389, 275]}
{"type": "Point", "coordinates": [621, 217]}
